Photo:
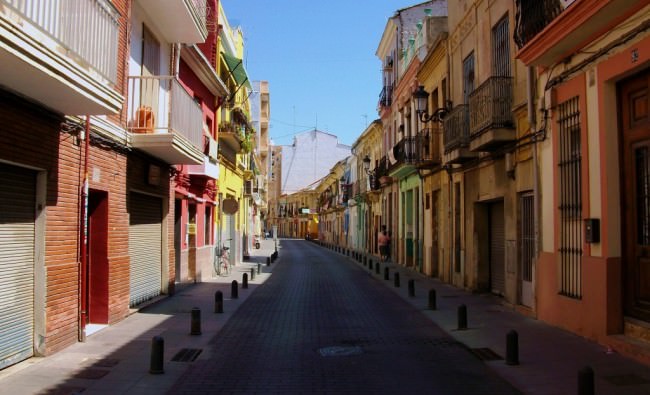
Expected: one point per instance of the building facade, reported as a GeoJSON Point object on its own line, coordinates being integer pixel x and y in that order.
{"type": "Point", "coordinates": [590, 59]}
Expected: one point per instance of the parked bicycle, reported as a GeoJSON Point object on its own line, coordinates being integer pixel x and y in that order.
{"type": "Point", "coordinates": [222, 261]}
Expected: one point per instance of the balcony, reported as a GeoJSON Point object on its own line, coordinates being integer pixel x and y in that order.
{"type": "Point", "coordinates": [385, 96]}
{"type": "Point", "coordinates": [231, 135]}
{"type": "Point", "coordinates": [490, 115]}
{"type": "Point", "coordinates": [210, 166]}
{"type": "Point", "coordinates": [428, 147]}
{"type": "Point", "coordinates": [164, 120]}
{"type": "Point", "coordinates": [179, 21]}
{"type": "Point", "coordinates": [456, 136]}
{"type": "Point", "coordinates": [62, 54]}
{"type": "Point", "coordinates": [548, 31]}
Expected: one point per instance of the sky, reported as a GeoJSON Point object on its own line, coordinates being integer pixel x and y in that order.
{"type": "Point", "coordinates": [319, 59]}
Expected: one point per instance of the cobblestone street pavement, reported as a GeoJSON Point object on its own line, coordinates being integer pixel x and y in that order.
{"type": "Point", "coordinates": [322, 325]}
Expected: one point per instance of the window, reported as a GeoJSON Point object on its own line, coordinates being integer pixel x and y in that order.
{"type": "Point", "coordinates": [468, 77]}
{"type": "Point", "coordinates": [457, 234]}
{"type": "Point", "coordinates": [501, 49]}
{"type": "Point", "coordinates": [570, 198]}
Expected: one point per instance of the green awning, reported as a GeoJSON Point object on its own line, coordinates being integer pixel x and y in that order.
{"type": "Point", "coordinates": [236, 68]}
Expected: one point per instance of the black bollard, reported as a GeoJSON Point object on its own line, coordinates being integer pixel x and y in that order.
{"type": "Point", "coordinates": [462, 317]}
{"type": "Point", "coordinates": [244, 281]}
{"type": "Point", "coordinates": [586, 381]}
{"type": "Point", "coordinates": [411, 288]}
{"type": "Point", "coordinates": [386, 273]}
{"type": "Point", "coordinates": [268, 261]}
{"type": "Point", "coordinates": [157, 355]}
{"type": "Point", "coordinates": [365, 260]}
{"type": "Point", "coordinates": [259, 268]}
{"type": "Point", "coordinates": [432, 299]}
{"type": "Point", "coordinates": [396, 280]}
{"type": "Point", "coordinates": [512, 348]}
{"type": "Point", "coordinates": [195, 326]}
{"type": "Point", "coordinates": [252, 274]}
{"type": "Point", "coordinates": [234, 290]}
{"type": "Point", "coordinates": [377, 268]}
{"type": "Point", "coordinates": [370, 264]}
{"type": "Point", "coordinates": [218, 302]}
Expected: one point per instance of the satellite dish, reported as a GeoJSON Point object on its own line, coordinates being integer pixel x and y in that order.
{"type": "Point", "coordinates": [229, 206]}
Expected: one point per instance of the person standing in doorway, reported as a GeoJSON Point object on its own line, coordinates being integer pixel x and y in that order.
{"type": "Point", "coordinates": [383, 241]}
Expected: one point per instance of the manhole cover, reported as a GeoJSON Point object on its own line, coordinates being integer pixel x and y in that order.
{"type": "Point", "coordinates": [187, 355]}
{"type": "Point", "coordinates": [626, 379]}
{"type": "Point", "coordinates": [340, 351]}
{"type": "Point", "coordinates": [485, 354]}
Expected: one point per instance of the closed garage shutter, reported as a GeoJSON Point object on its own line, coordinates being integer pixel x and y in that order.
{"type": "Point", "coordinates": [145, 247]}
{"type": "Point", "coordinates": [17, 200]}
{"type": "Point", "coordinates": [497, 249]}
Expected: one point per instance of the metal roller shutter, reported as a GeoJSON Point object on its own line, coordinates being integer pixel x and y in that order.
{"type": "Point", "coordinates": [17, 200]}
{"type": "Point", "coordinates": [145, 247]}
{"type": "Point", "coordinates": [497, 249]}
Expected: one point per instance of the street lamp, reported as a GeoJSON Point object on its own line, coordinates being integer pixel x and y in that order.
{"type": "Point", "coordinates": [421, 101]}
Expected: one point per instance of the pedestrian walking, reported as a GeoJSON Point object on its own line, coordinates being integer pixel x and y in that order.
{"type": "Point", "coordinates": [383, 241]}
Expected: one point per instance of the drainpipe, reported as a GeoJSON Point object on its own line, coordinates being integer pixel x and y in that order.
{"type": "Point", "coordinates": [83, 243]}
{"type": "Point", "coordinates": [531, 120]}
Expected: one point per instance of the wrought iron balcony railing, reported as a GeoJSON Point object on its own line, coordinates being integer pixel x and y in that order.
{"type": "Point", "coordinates": [88, 29]}
{"type": "Point", "coordinates": [456, 128]}
{"type": "Point", "coordinates": [386, 96]}
{"type": "Point", "coordinates": [428, 146]}
{"type": "Point", "coordinates": [532, 16]}
{"type": "Point", "coordinates": [490, 105]}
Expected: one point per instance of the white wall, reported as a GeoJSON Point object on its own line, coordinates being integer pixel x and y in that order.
{"type": "Point", "coordinates": [309, 159]}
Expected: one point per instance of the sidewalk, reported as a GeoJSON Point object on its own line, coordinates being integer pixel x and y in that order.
{"type": "Point", "coordinates": [116, 360]}
{"type": "Point", "coordinates": [549, 357]}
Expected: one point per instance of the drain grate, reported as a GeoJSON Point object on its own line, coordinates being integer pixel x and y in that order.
{"type": "Point", "coordinates": [485, 354]}
{"type": "Point", "coordinates": [91, 374]}
{"type": "Point", "coordinates": [187, 355]}
{"type": "Point", "coordinates": [626, 379]}
{"type": "Point", "coordinates": [340, 351]}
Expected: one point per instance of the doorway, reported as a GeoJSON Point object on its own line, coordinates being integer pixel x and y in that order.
{"type": "Point", "coordinates": [634, 100]}
{"type": "Point", "coordinates": [97, 279]}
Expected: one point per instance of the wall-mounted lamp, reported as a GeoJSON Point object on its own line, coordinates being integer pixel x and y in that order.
{"type": "Point", "coordinates": [421, 102]}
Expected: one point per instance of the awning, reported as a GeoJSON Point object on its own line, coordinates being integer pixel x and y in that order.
{"type": "Point", "coordinates": [236, 68]}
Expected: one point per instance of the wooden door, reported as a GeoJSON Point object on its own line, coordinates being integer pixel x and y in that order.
{"type": "Point", "coordinates": [635, 193]}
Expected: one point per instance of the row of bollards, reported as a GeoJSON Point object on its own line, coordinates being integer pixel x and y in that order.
{"type": "Point", "coordinates": [156, 363]}
{"type": "Point", "coordinates": [585, 375]}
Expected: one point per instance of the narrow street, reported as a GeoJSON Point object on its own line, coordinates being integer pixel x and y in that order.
{"type": "Point", "coordinates": [321, 324]}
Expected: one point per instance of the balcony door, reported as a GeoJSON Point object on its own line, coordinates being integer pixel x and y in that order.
{"type": "Point", "coordinates": [634, 97]}
{"type": "Point", "coordinates": [150, 86]}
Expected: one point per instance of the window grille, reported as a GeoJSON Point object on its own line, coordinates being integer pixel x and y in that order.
{"type": "Point", "coordinates": [501, 48]}
{"type": "Point", "coordinates": [526, 236]}
{"type": "Point", "coordinates": [570, 199]}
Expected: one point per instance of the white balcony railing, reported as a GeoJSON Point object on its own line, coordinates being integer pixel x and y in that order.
{"type": "Point", "coordinates": [159, 104]}
{"type": "Point", "coordinates": [87, 28]}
